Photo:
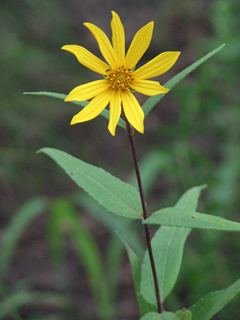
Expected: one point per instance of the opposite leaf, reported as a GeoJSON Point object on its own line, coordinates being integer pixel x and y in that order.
{"type": "Point", "coordinates": [213, 302]}
{"type": "Point", "coordinates": [168, 244]}
{"type": "Point", "coordinates": [191, 219]}
{"type": "Point", "coordinates": [113, 194]}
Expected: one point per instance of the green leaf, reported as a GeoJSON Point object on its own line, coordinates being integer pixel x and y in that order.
{"type": "Point", "coordinates": [162, 316]}
{"type": "Point", "coordinates": [19, 223]}
{"type": "Point", "coordinates": [153, 101]}
{"type": "Point", "coordinates": [180, 217]}
{"type": "Point", "coordinates": [113, 194]}
{"type": "Point", "coordinates": [89, 254]}
{"type": "Point", "coordinates": [184, 314]}
{"type": "Point", "coordinates": [168, 244]}
{"type": "Point", "coordinates": [135, 263]}
{"type": "Point", "coordinates": [113, 264]}
{"type": "Point", "coordinates": [68, 223]}
{"type": "Point", "coordinates": [56, 227]}
{"type": "Point", "coordinates": [82, 104]}
{"type": "Point", "coordinates": [213, 302]}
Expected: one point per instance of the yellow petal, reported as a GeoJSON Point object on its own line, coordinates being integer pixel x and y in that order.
{"type": "Point", "coordinates": [132, 110]}
{"type": "Point", "coordinates": [148, 87]}
{"type": "Point", "coordinates": [87, 91]}
{"type": "Point", "coordinates": [87, 59]}
{"type": "Point", "coordinates": [157, 66]}
{"type": "Point", "coordinates": [139, 45]}
{"type": "Point", "coordinates": [103, 43]}
{"type": "Point", "coordinates": [115, 112]}
{"type": "Point", "coordinates": [118, 37]}
{"type": "Point", "coordinates": [93, 109]}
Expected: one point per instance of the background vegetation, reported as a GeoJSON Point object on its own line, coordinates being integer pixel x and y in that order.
{"type": "Point", "coordinates": [47, 228]}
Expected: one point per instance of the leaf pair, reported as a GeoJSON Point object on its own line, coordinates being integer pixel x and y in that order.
{"type": "Point", "coordinates": [122, 199]}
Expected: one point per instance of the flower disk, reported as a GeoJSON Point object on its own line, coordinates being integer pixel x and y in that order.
{"type": "Point", "coordinates": [120, 79]}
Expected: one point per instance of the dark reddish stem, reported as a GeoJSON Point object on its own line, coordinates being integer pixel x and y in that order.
{"type": "Point", "coordinates": [145, 215]}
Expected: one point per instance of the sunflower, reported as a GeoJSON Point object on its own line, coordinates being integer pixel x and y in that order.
{"type": "Point", "coordinates": [121, 78]}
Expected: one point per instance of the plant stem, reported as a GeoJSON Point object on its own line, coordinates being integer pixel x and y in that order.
{"type": "Point", "coordinates": [145, 215]}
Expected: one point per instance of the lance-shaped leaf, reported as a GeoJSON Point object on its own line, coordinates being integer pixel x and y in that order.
{"type": "Point", "coordinates": [113, 194]}
{"type": "Point", "coordinates": [168, 244]}
{"type": "Point", "coordinates": [214, 302]}
{"type": "Point", "coordinates": [153, 101]}
{"type": "Point", "coordinates": [181, 217]}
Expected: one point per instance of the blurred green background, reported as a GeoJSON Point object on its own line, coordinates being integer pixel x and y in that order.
{"type": "Point", "coordinates": [48, 227]}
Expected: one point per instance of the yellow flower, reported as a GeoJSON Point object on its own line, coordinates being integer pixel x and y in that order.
{"type": "Point", "coordinates": [120, 77]}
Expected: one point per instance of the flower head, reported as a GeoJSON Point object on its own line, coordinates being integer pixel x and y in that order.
{"type": "Point", "coordinates": [120, 76]}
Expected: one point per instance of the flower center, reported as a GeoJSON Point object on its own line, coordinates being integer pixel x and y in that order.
{"type": "Point", "coordinates": [120, 78]}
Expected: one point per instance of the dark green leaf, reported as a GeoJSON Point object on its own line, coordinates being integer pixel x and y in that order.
{"type": "Point", "coordinates": [214, 302]}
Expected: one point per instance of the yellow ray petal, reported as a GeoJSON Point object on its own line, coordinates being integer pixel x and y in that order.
{"type": "Point", "coordinates": [157, 66]}
{"type": "Point", "coordinates": [87, 59]}
{"type": "Point", "coordinates": [115, 112]}
{"type": "Point", "coordinates": [103, 43]}
{"type": "Point", "coordinates": [148, 87]}
{"type": "Point", "coordinates": [93, 109]}
{"type": "Point", "coordinates": [139, 45]}
{"type": "Point", "coordinates": [87, 91]}
{"type": "Point", "coordinates": [118, 37]}
{"type": "Point", "coordinates": [132, 110]}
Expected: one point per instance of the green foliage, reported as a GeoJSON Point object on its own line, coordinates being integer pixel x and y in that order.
{"type": "Point", "coordinates": [180, 217]}
{"type": "Point", "coordinates": [214, 302]}
{"type": "Point", "coordinates": [115, 195]}
{"type": "Point", "coordinates": [135, 262]}
{"type": "Point", "coordinates": [67, 222]}
{"type": "Point", "coordinates": [25, 298]}
{"type": "Point", "coordinates": [168, 244]}
{"type": "Point", "coordinates": [193, 154]}
{"type": "Point", "coordinates": [19, 223]}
